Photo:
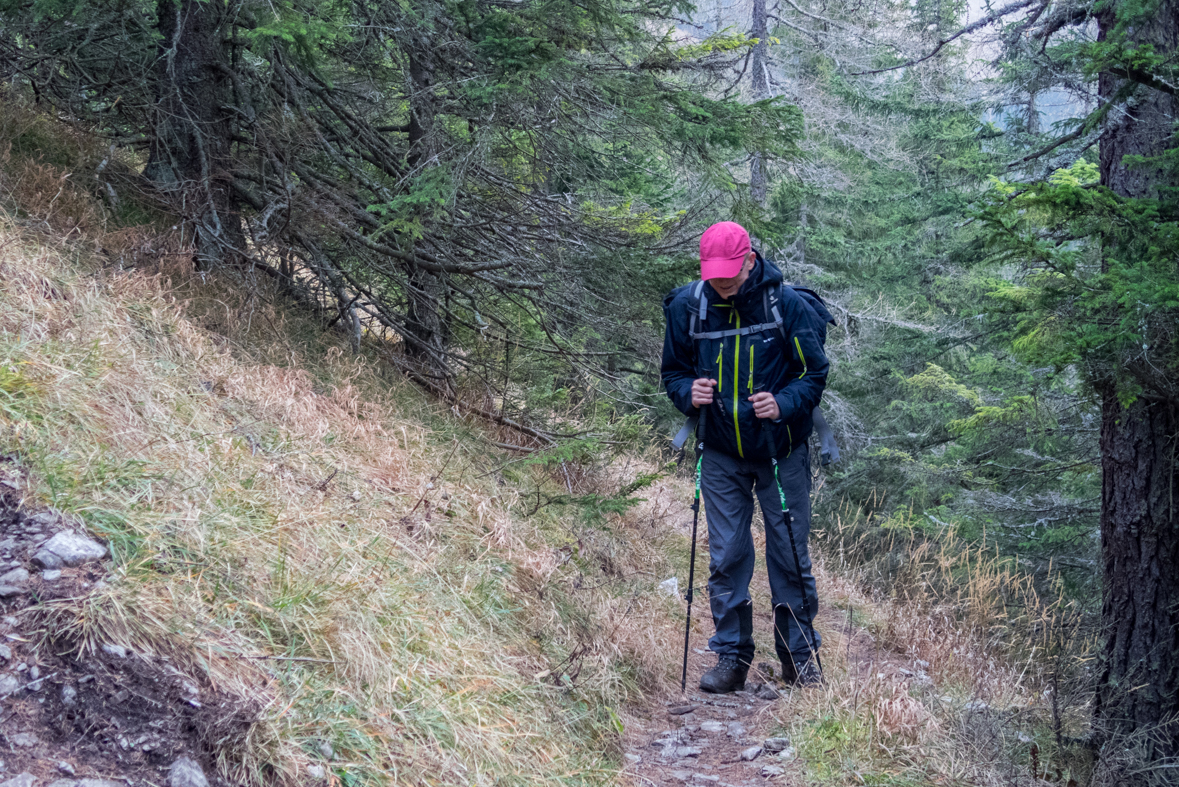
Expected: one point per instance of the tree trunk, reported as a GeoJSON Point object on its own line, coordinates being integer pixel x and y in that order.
{"type": "Point", "coordinates": [193, 127]}
{"type": "Point", "coordinates": [426, 338]}
{"type": "Point", "coordinates": [759, 68]}
{"type": "Point", "coordinates": [1138, 686]}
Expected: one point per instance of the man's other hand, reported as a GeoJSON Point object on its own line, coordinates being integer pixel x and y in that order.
{"type": "Point", "coordinates": [764, 405]}
{"type": "Point", "coordinates": [702, 391]}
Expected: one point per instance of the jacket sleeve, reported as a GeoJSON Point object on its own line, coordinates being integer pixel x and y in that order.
{"type": "Point", "coordinates": [678, 369]}
{"type": "Point", "coordinates": [803, 392]}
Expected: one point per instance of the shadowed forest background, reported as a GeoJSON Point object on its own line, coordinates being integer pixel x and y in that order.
{"type": "Point", "coordinates": [492, 199]}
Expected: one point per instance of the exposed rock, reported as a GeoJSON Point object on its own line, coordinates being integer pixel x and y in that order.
{"type": "Point", "coordinates": [775, 745]}
{"type": "Point", "coordinates": [47, 561]}
{"type": "Point", "coordinates": [9, 590]}
{"type": "Point", "coordinates": [66, 768]}
{"type": "Point", "coordinates": [680, 752]}
{"type": "Point", "coordinates": [75, 548]}
{"type": "Point", "coordinates": [766, 668]}
{"type": "Point", "coordinates": [98, 783]}
{"type": "Point", "coordinates": [712, 726]}
{"type": "Point", "coordinates": [5, 653]}
{"type": "Point", "coordinates": [316, 771]}
{"type": "Point", "coordinates": [118, 651]}
{"type": "Point", "coordinates": [47, 517]}
{"type": "Point", "coordinates": [21, 780]}
{"type": "Point", "coordinates": [767, 693]}
{"type": "Point", "coordinates": [704, 778]}
{"type": "Point", "coordinates": [680, 710]}
{"type": "Point", "coordinates": [69, 696]}
{"type": "Point", "coordinates": [185, 772]}
{"type": "Point", "coordinates": [682, 776]}
{"type": "Point", "coordinates": [633, 759]}
{"type": "Point", "coordinates": [8, 684]}
{"type": "Point", "coordinates": [325, 750]}
{"type": "Point", "coordinates": [17, 576]}
{"type": "Point", "coordinates": [787, 754]}
{"type": "Point", "coordinates": [751, 754]}
{"type": "Point", "coordinates": [51, 575]}
{"type": "Point", "coordinates": [26, 740]}
{"type": "Point", "coordinates": [772, 770]}
{"type": "Point", "coordinates": [736, 729]}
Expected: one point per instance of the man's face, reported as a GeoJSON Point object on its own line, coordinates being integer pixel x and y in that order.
{"type": "Point", "coordinates": [727, 288]}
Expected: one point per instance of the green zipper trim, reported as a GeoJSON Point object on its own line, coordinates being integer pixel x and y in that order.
{"type": "Point", "coordinates": [720, 369]}
{"type": "Point", "coordinates": [801, 356]}
{"type": "Point", "coordinates": [789, 437]}
{"type": "Point", "coordinates": [751, 368]}
{"type": "Point", "coordinates": [736, 385]}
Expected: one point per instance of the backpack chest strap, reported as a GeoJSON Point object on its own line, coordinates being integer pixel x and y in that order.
{"type": "Point", "coordinates": [701, 315]}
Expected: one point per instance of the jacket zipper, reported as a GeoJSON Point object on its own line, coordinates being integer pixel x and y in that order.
{"type": "Point", "coordinates": [736, 384]}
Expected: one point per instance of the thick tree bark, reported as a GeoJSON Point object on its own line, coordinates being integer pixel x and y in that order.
{"type": "Point", "coordinates": [1138, 687]}
{"type": "Point", "coordinates": [759, 74]}
{"type": "Point", "coordinates": [193, 124]}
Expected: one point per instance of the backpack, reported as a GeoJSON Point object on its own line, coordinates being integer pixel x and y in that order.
{"type": "Point", "coordinates": [821, 317]}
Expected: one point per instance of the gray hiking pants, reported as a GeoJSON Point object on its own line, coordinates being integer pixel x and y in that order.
{"type": "Point", "coordinates": [728, 484]}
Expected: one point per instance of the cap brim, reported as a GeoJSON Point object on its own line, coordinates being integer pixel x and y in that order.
{"type": "Point", "coordinates": [720, 268]}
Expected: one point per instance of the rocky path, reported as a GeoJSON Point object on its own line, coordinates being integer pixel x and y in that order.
{"type": "Point", "coordinates": [711, 740]}
{"type": "Point", "coordinates": [722, 740]}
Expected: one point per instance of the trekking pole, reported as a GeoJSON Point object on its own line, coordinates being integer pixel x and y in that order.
{"type": "Point", "coordinates": [692, 560]}
{"type": "Point", "coordinates": [806, 604]}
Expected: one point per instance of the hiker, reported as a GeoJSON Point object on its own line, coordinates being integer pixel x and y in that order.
{"type": "Point", "coordinates": [749, 349]}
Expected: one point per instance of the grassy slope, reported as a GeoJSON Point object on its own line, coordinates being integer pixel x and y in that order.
{"type": "Point", "coordinates": [306, 526]}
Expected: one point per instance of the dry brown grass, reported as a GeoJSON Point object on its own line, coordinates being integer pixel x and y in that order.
{"type": "Point", "coordinates": [303, 528]}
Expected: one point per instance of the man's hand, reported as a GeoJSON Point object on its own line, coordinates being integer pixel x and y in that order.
{"type": "Point", "coordinates": [764, 405]}
{"type": "Point", "coordinates": [702, 391]}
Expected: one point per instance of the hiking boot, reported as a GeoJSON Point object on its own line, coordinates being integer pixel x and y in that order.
{"type": "Point", "coordinates": [807, 673]}
{"type": "Point", "coordinates": [728, 675]}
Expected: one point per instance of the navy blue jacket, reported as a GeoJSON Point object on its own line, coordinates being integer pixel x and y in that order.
{"type": "Point", "coordinates": [795, 373]}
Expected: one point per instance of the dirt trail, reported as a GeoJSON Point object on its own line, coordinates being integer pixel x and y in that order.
{"type": "Point", "coordinates": [702, 740]}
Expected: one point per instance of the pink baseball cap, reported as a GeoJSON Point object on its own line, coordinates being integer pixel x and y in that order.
{"type": "Point", "coordinates": [723, 248]}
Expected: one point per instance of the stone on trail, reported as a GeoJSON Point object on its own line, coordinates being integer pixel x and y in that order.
{"type": "Point", "coordinates": [767, 693]}
{"type": "Point", "coordinates": [751, 754]}
{"type": "Point", "coordinates": [633, 759]}
{"type": "Point", "coordinates": [772, 770]}
{"type": "Point", "coordinates": [185, 772]}
{"type": "Point", "coordinates": [17, 576]}
{"type": "Point", "coordinates": [97, 783]}
{"type": "Point", "coordinates": [47, 560]}
{"type": "Point", "coordinates": [680, 752]}
{"type": "Point", "coordinates": [736, 729]}
{"type": "Point", "coordinates": [680, 710]}
{"type": "Point", "coordinates": [682, 776]}
{"type": "Point", "coordinates": [20, 780]}
{"type": "Point", "coordinates": [118, 651]}
{"type": "Point", "coordinates": [775, 745]}
{"type": "Point", "coordinates": [9, 590]}
{"type": "Point", "coordinates": [51, 575]}
{"type": "Point", "coordinates": [75, 548]}
{"type": "Point", "coordinates": [5, 653]}
{"type": "Point", "coordinates": [704, 778]}
{"type": "Point", "coordinates": [712, 726]}
{"type": "Point", "coordinates": [24, 739]}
